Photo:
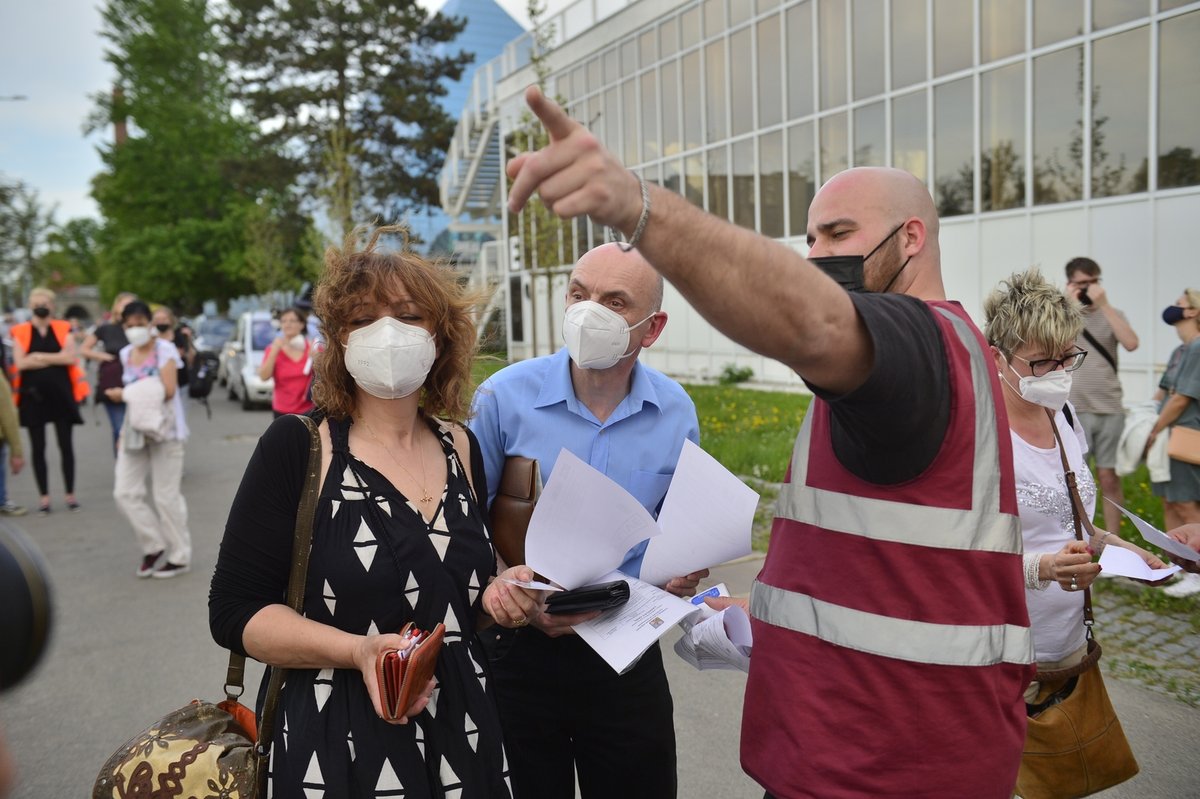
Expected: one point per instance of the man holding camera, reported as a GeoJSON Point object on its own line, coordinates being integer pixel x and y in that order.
{"type": "Point", "coordinates": [1096, 387]}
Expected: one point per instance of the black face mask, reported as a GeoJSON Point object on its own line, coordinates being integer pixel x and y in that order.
{"type": "Point", "coordinates": [847, 270]}
{"type": "Point", "coordinates": [163, 328]}
{"type": "Point", "coordinates": [41, 313]}
{"type": "Point", "coordinates": [1173, 315]}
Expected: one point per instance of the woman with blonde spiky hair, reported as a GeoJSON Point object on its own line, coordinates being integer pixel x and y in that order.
{"type": "Point", "coordinates": [1031, 327]}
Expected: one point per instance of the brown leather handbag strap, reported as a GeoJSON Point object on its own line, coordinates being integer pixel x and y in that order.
{"type": "Point", "coordinates": [1078, 515]}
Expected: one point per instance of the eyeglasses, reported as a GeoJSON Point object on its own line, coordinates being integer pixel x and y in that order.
{"type": "Point", "coordinates": [1044, 366]}
{"type": "Point", "coordinates": [1091, 282]}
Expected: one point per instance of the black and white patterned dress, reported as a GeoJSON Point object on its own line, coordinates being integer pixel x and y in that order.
{"type": "Point", "coordinates": [376, 565]}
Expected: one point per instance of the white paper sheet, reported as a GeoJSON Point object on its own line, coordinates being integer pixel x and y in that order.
{"type": "Point", "coordinates": [534, 585]}
{"type": "Point", "coordinates": [1118, 560]}
{"type": "Point", "coordinates": [722, 641]}
{"type": "Point", "coordinates": [583, 524]}
{"type": "Point", "coordinates": [1157, 537]}
{"type": "Point", "coordinates": [621, 635]}
{"type": "Point", "coordinates": [705, 519]}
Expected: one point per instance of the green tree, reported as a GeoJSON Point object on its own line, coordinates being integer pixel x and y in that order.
{"type": "Point", "coordinates": [24, 225]}
{"type": "Point", "coordinates": [179, 195]}
{"type": "Point", "coordinates": [71, 256]}
{"type": "Point", "coordinates": [350, 90]}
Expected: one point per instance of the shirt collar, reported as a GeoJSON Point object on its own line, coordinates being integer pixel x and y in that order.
{"type": "Point", "coordinates": [557, 387]}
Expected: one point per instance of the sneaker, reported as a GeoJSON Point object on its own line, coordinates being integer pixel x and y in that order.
{"type": "Point", "coordinates": [12, 509]}
{"type": "Point", "coordinates": [170, 569]}
{"type": "Point", "coordinates": [1187, 585]}
{"type": "Point", "coordinates": [44, 510]}
{"type": "Point", "coordinates": [72, 506]}
{"type": "Point", "coordinates": [148, 564]}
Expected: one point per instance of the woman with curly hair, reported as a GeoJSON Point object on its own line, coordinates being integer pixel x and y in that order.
{"type": "Point", "coordinates": [399, 536]}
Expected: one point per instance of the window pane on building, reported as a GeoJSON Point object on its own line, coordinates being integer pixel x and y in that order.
{"type": "Point", "coordinates": [689, 27]}
{"type": "Point", "coordinates": [1179, 101]}
{"type": "Point", "coordinates": [766, 5]}
{"type": "Point", "coordinates": [1001, 29]}
{"type": "Point", "coordinates": [952, 36]}
{"type": "Point", "coordinates": [718, 182]}
{"type": "Point", "coordinates": [868, 48]}
{"type": "Point", "coordinates": [693, 179]}
{"type": "Point", "coordinates": [834, 147]}
{"type": "Point", "coordinates": [744, 195]}
{"type": "Point", "coordinates": [908, 42]}
{"type": "Point", "coordinates": [740, 11]}
{"type": "Point", "coordinates": [668, 37]}
{"type": "Point", "coordinates": [1106, 13]}
{"type": "Point", "coordinates": [610, 119]}
{"type": "Point", "coordinates": [953, 150]}
{"type": "Point", "coordinates": [1058, 127]}
{"type": "Point", "coordinates": [832, 52]}
{"type": "Point", "coordinates": [630, 135]}
{"type": "Point", "coordinates": [671, 139]}
{"type": "Point", "coordinates": [578, 83]}
{"type": "Point", "coordinates": [594, 74]}
{"type": "Point", "coordinates": [870, 146]}
{"type": "Point", "coordinates": [770, 90]}
{"type": "Point", "coordinates": [693, 119]}
{"type": "Point", "coordinates": [612, 66]}
{"type": "Point", "coordinates": [714, 115]}
{"type": "Point", "coordinates": [909, 149]}
{"type": "Point", "coordinates": [799, 60]}
{"type": "Point", "coordinates": [629, 58]}
{"type": "Point", "coordinates": [1002, 126]}
{"type": "Point", "coordinates": [1167, 5]}
{"type": "Point", "coordinates": [1121, 113]}
{"type": "Point", "coordinates": [802, 176]}
{"type": "Point", "coordinates": [647, 50]}
{"type": "Point", "coordinates": [650, 145]}
{"type": "Point", "coordinates": [714, 17]}
{"type": "Point", "coordinates": [770, 184]}
{"type": "Point", "coordinates": [741, 79]}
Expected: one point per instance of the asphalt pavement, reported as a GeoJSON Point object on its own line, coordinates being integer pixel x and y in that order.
{"type": "Point", "coordinates": [126, 651]}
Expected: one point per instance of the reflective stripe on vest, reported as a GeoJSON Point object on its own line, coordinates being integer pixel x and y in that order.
{"type": "Point", "coordinates": [903, 639]}
{"type": "Point", "coordinates": [981, 528]}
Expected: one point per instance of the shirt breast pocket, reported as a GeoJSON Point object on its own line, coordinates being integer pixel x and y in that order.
{"type": "Point", "coordinates": [649, 488]}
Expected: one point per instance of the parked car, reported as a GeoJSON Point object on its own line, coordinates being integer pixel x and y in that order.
{"type": "Point", "coordinates": [212, 333]}
{"type": "Point", "coordinates": [254, 333]}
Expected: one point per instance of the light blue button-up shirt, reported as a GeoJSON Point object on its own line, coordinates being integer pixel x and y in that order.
{"type": "Point", "coordinates": [530, 409]}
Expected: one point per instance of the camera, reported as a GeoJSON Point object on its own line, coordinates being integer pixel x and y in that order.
{"type": "Point", "coordinates": [1084, 299]}
{"type": "Point", "coordinates": [25, 607]}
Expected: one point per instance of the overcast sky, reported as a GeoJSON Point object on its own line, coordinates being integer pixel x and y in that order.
{"type": "Point", "coordinates": [51, 52]}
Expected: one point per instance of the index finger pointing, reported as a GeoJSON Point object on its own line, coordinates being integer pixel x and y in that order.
{"type": "Point", "coordinates": [556, 121]}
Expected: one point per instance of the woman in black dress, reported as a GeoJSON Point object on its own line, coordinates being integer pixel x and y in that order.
{"type": "Point", "coordinates": [49, 388]}
{"type": "Point", "coordinates": [399, 536]}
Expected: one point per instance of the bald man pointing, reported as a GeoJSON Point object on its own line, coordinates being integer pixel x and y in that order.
{"type": "Point", "coordinates": [891, 640]}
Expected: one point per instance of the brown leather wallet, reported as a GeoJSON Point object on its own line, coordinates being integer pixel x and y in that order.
{"type": "Point", "coordinates": [512, 508]}
{"type": "Point", "coordinates": [403, 673]}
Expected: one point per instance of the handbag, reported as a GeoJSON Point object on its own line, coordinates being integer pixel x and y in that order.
{"type": "Point", "coordinates": [404, 673]}
{"type": "Point", "coordinates": [518, 491]}
{"type": "Point", "coordinates": [1074, 743]}
{"type": "Point", "coordinates": [1184, 445]}
{"type": "Point", "coordinates": [205, 748]}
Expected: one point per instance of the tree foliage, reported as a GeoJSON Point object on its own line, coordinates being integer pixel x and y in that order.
{"type": "Point", "coordinates": [181, 192]}
{"type": "Point", "coordinates": [25, 224]}
{"type": "Point", "coordinates": [350, 90]}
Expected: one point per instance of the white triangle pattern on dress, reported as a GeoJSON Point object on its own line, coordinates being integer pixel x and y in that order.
{"type": "Point", "coordinates": [336, 505]}
{"type": "Point", "coordinates": [453, 629]}
{"type": "Point", "coordinates": [432, 707]}
{"type": "Point", "coordinates": [323, 687]}
{"type": "Point", "coordinates": [314, 780]}
{"type": "Point", "coordinates": [472, 733]}
{"type": "Point", "coordinates": [384, 505]}
{"type": "Point", "coordinates": [449, 779]}
{"type": "Point", "coordinates": [351, 490]}
{"type": "Point", "coordinates": [441, 542]}
{"type": "Point", "coordinates": [473, 588]}
{"type": "Point", "coordinates": [350, 746]}
{"type": "Point", "coordinates": [419, 736]}
{"type": "Point", "coordinates": [462, 501]}
{"type": "Point", "coordinates": [373, 629]}
{"type": "Point", "coordinates": [329, 597]}
{"type": "Point", "coordinates": [439, 521]}
{"type": "Point", "coordinates": [365, 545]}
{"type": "Point", "coordinates": [414, 588]}
{"type": "Point", "coordinates": [388, 783]}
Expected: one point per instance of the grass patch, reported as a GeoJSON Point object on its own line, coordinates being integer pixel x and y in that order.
{"type": "Point", "coordinates": [750, 432]}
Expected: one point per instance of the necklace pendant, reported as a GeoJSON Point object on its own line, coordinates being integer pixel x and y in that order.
{"type": "Point", "coordinates": [426, 499]}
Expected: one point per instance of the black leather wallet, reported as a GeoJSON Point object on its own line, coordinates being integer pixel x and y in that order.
{"type": "Point", "coordinates": [601, 596]}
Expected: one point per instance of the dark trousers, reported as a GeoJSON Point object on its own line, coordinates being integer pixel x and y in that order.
{"type": "Point", "coordinates": [564, 709]}
{"type": "Point", "coordinates": [66, 451]}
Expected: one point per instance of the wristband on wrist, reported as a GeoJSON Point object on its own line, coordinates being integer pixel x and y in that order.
{"type": "Point", "coordinates": [1032, 563]}
{"type": "Point", "coordinates": [641, 223]}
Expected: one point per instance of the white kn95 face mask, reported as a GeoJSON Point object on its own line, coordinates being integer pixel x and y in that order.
{"type": "Point", "coordinates": [596, 337]}
{"type": "Point", "coordinates": [390, 359]}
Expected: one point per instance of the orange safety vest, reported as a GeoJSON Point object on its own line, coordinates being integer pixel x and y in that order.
{"type": "Point", "coordinates": [22, 335]}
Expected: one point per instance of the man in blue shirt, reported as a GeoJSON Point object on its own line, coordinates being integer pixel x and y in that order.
{"type": "Point", "coordinates": [562, 707]}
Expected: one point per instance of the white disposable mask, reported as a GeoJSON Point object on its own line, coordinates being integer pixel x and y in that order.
{"type": "Point", "coordinates": [389, 359]}
{"type": "Point", "coordinates": [1050, 390]}
{"type": "Point", "coordinates": [297, 341]}
{"type": "Point", "coordinates": [137, 336]}
{"type": "Point", "coordinates": [596, 337]}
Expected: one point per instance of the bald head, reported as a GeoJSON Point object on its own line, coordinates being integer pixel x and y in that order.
{"type": "Point", "coordinates": [860, 208]}
{"type": "Point", "coordinates": [619, 269]}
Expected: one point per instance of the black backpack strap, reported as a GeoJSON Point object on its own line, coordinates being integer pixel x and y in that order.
{"type": "Point", "coordinates": [1108, 356]}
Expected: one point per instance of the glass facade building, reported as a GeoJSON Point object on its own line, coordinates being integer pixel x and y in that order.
{"type": "Point", "coordinates": [1044, 129]}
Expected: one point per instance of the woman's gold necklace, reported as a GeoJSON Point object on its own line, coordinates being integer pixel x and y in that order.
{"type": "Point", "coordinates": [426, 498]}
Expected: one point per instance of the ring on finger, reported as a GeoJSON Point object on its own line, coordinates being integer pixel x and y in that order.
{"type": "Point", "coordinates": [521, 622]}
{"type": "Point", "coordinates": [1074, 583]}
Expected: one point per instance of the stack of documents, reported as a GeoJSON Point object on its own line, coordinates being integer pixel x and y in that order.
{"type": "Point", "coordinates": [715, 639]}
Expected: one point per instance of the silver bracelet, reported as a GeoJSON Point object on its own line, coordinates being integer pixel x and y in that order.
{"type": "Point", "coordinates": [641, 224]}
{"type": "Point", "coordinates": [1032, 565]}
